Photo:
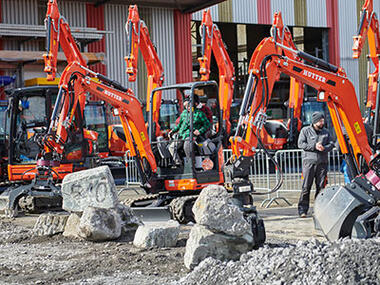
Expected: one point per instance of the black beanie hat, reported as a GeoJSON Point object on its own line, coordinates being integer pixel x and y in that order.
{"type": "Point", "coordinates": [316, 117]}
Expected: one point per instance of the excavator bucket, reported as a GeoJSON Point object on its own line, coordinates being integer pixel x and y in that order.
{"type": "Point", "coordinates": [337, 208]}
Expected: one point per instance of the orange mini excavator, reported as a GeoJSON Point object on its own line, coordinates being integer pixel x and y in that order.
{"type": "Point", "coordinates": [337, 209]}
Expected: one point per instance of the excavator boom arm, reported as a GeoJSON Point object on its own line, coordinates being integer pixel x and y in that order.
{"type": "Point", "coordinates": [58, 33]}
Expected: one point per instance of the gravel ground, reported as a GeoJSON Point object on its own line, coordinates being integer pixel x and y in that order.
{"type": "Point", "coordinates": [306, 262]}
{"type": "Point", "coordinates": [27, 259]}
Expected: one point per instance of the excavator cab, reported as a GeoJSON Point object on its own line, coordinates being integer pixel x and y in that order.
{"type": "Point", "coordinates": [28, 118]}
{"type": "Point", "coordinates": [3, 138]}
{"type": "Point", "coordinates": [204, 166]}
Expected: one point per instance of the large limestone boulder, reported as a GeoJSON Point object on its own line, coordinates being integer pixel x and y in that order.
{"type": "Point", "coordinates": [98, 224]}
{"type": "Point", "coordinates": [49, 224]}
{"type": "Point", "coordinates": [203, 243]}
{"type": "Point", "coordinates": [157, 235]}
{"type": "Point", "coordinates": [72, 226]}
{"type": "Point", "coordinates": [221, 232]}
{"type": "Point", "coordinates": [129, 221]}
{"type": "Point", "coordinates": [93, 187]}
{"type": "Point", "coordinates": [216, 210]}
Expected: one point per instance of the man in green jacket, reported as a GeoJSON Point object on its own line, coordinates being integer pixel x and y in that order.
{"type": "Point", "coordinates": [200, 125]}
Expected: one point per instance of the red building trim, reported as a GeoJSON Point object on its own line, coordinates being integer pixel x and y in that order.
{"type": "Point", "coordinates": [333, 24]}
{"type": "Point", "coordinates": [182, 38]}
{"type": "Point", "coordinates": [264, 12]}
{"type": "Point", "coordinates": [1, 20]}
{"type": "Point", "coordinates": [95, 19]}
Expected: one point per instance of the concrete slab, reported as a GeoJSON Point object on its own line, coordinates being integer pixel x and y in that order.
{"type": "Point", "coordinates": [284, 223]}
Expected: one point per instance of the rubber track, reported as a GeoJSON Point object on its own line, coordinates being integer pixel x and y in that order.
{"type": "Point", "coordinates": [129, 201]}
{"type": "Point", "coordinates": [178, 208]}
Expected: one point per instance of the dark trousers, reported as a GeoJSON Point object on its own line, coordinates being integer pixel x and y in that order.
{"type": "Point", "coordinates": [310, 171]}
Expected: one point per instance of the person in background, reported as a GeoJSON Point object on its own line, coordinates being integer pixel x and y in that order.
{"type": "Point", "coordinates": [316, 142]}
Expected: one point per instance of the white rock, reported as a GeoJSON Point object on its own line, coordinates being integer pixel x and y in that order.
{"type": "Point", "coordinates": [72, 226]}
{"type": "Point", "coordinates": [203, 243]}
{"type": "Point", "coordinates": [216, 210]}
{"type": "Point", "coordinates": [89, 188]}
{"type": "Point", "coordinates": [157, 235]}
{"type": "Point", "coordinates": [99, 224]}
{"type": "Point", "coordinates": [50, 224]}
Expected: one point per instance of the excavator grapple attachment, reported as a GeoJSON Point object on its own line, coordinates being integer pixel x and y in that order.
{"type": "Point", "coordinates": [35, 197]}
{"type": "Point", "coordinates": [340, 211]}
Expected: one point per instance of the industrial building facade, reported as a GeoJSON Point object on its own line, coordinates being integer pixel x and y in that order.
{"type": "Point", "coordinates": [100, 29]}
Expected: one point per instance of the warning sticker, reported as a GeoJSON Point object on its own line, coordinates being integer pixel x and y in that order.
{"type": "Point", "coordinates": [357, 128]}
{"type": "Point", "coordinates": [142, 136]}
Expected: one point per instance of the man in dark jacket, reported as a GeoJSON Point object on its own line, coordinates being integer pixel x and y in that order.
{"type": "Point", "coordinates": [316, 143]}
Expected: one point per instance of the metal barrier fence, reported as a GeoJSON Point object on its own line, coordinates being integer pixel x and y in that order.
{"type": "Point", "coordinates": [131, 172]}
{"type": "Point", "coordinates": [264, 174]}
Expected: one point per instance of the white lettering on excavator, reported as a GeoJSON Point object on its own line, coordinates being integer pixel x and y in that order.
{"type": "Point", "coordinates": [314, 76]}
{"type": "Point", "coordinates": [117, 97]}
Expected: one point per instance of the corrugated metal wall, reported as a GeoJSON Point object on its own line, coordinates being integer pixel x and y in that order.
{"type": "Point", "coordinates": [116, 44]}
{"type": "Point", "coordinates": [74, 12]}
{"type": "Point", "coordinates": [347, 28]}
{"type": "Point", "coordinates": [160, 26]}
{"type": "Point", "coordinates": [244, 11]}
{"type": "Point", "coordinates": [183, 56]}
{"type": "Point", "coordinates": [214, 10]}
{"type": "Point", "coordinates": [264, 12]}
{"type": "Point", "coordinates": [376, 7]}
{"type": "Point", "coordinates": [310, 13]}
{"type": "Point", "coordinates": [286, 7]}
{"type": "Point", "coordinates": [316, 13]}
{"type": "Point", "coordinates": [300, 13]}
{"type": "Point", "coordinates": [225, 11]}
{"type": "Point", "coordinates": [23, 12]}
{"type": "Point", "coordinates": [95, 19]}
{"type": "Point", "coordinates": [162, 35]}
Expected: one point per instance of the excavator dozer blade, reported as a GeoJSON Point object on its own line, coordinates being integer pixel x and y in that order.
{"type": "Point", "coordinates": [153, 214]}
{"type": "Point", "coordinates": [5, 205]}
{"type": "Point", "coordinates": [337, 208]}
{"type": "Point", "coordinates": [8, 203]}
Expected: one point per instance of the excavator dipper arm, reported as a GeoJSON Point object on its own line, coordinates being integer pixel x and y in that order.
{"type": "Point", "coordinates": [58, 33]}
{"type": "Point", "coordinates": [369, 28]}
{"type": "Point", "coordinates": [138, 38]}
{"type": "Point", "coordinates": [212, 42]}
{"type": "Point", "coordinates": [282, 35]}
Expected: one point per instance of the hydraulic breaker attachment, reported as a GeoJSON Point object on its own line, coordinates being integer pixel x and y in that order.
{"type": "Point", "coordinates": [350, 210]}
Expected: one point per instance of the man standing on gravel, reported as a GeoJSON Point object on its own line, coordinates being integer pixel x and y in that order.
{"type": "Point", "coordinates": [316, 143]}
